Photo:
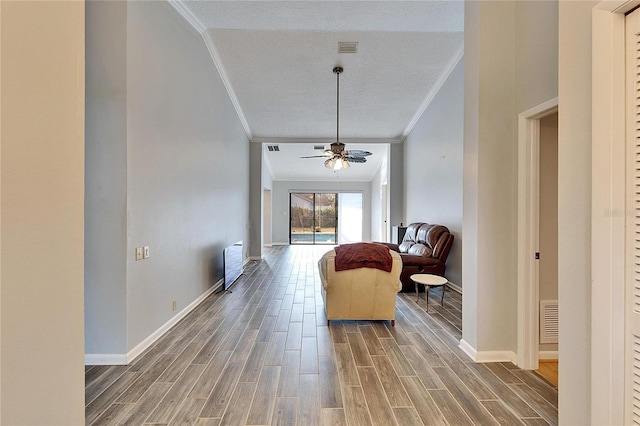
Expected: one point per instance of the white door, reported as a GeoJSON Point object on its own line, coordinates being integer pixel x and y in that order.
{"type": "Point", "coordinates": [632, 215]}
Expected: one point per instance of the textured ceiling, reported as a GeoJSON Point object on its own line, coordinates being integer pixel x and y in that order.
{"type": "Point", "coordinates": [277, 59]}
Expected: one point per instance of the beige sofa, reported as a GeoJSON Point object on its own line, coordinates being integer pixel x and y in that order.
{"type": "Point", "coordinates": [359, 294]}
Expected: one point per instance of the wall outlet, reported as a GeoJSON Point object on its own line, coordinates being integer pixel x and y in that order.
{"type": "Point", "coordinates": [138, 253]}
{"type": "Point", "coordinates": [174, 305]}
{"type": "Point", "coordinates": [145, 252]}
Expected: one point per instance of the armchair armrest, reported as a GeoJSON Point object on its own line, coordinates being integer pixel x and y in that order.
{"type": "Point", "coordinates": [392, 246]}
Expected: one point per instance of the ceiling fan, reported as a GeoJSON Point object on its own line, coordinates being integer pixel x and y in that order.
{"type": "Point", "coordinates": [337, 157]}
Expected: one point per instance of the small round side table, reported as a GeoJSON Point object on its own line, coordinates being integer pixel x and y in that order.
{"type": "Point", "coordinates": [429, 280]}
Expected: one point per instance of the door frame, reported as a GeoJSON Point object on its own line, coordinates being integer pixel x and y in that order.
{"type": "Point", "coordinates": [608, 199]}
{"type": "Point", "coordinates": [528, 230]}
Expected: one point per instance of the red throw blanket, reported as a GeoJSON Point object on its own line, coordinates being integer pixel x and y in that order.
{"type": "Point", "coordinates": [363, 255]}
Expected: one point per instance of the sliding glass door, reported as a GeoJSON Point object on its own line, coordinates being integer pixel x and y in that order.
{"type": "Point", "coordinates": [313, 218]}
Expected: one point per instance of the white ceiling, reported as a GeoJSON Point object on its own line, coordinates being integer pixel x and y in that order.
{"type": "Point", "coordinates": [276, 58]}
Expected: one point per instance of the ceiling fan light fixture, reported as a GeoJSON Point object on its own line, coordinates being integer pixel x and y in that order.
{"type": "Point", "coordinates": [329, 163]}
{"type": "Point", "coordinates": [338, 164]}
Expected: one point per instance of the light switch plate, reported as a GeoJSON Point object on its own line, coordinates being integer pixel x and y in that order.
{"type": "Point", "coordinates": [138, 253]}
{"type": "Point", "coordinates": [145, 252]}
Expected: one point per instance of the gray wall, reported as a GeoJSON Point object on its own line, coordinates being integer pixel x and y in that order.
{"type": "Point", "coordinates": [574, 211]}
{"type": "Point", "coordinates": [187, 182]}
{"type": "Point", "coordinates": [280, 204]}
{"type": "Point", "coordinates": [376, 204]}
{"type": "Point", "coordinates": [106, 178]}
{"type": "Point", "coordinates": [396, 184]}
{"type": "Point", "coordinates": [511, 57]}
{"type": "Point", "coordinates": [257, 202]}
{"type": "Point", "coordinates": [433, 157]}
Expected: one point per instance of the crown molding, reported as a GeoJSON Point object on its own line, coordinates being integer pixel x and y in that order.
{"type": "Point", "coordinates": [187, 15]}
{"type": "Point", "coordinates": [434, 90]}
{"type": "Point", "coordinates": [201, 29]}
{"type": "Point", "coordinates": [325, 140]}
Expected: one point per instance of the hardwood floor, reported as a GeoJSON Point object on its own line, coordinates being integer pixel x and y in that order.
{"type": "Point", "coordinates": [263, 355]}
{"type": "Point", "coordinates": [549, 370]}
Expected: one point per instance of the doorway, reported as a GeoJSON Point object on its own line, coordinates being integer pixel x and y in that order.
{"type": "Point", "coordinates": [537, 219]}
{"type": "Point", "coordinates": [548, 248]}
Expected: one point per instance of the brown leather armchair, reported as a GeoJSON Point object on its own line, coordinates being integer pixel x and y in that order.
{"type": "Point", "coordinates": [424, 250]}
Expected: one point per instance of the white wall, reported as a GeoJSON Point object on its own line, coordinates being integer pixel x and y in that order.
{"type": "Point", "coordinates": [187, 162]}
{"type": "Point", "coordinates": [280, 204]}
{"type": "Point", "coordinates": [42, 199]}
{"type": "Point", "coordinates": [433, 166]}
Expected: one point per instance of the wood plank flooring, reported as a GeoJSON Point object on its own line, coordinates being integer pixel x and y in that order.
{"type": "Point", "coordinates": [263, 355]}
{"type": "Point", "coordinates": [549, 370]}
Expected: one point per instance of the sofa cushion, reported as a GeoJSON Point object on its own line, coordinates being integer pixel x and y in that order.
{"type": "Point", "coordinates": [420, 250]}
{"type": "Point", "coordinates": [405, 246]}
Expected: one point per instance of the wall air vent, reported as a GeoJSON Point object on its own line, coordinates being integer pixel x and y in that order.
{"type": "Point", "coordinates": [548, 321]}
{"type": "Point", "coordinates": [273, 148]}
{"type": "Point", "coordinates": [347, 47]}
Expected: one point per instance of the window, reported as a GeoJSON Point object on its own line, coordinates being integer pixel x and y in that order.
{"type": "Point", "coordinates": [313, 218]}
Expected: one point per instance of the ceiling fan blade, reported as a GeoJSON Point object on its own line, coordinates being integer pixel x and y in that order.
{"type": "Point", "coordinates": [358, 153]}
{"type": "Point", "coordinates": [352, 159]}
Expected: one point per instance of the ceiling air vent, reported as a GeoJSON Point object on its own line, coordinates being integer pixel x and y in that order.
{"type": "Point", "coordinates": [318, 147]}
{"type": "Point", "coordinates": [348, 47]}
{"type": "Point", "coordinates": [273, 148]}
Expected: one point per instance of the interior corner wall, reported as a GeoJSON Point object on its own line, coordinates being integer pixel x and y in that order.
{"type": "Point", "coordinates": [42, 226]}
{"type": "Point", "coordinates": [490, 175]}
{"type": "Point", "coordinates": [574, 211]}
{"type": "Point", "coordinates": [187, 168]}
{"type": "Point", "coordinates": [106, 179]}
{"type": "Point", "coordinates": [434, 166]}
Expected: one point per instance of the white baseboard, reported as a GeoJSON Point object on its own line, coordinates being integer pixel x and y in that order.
{"type": "Point", "coordinates": [105, 359]}
{"type": "Point", "coordinates": [279, 244]}
{"type": "Point", "coordinates": [455, 287]}
{"type": "Point", "coordinates": [124, 359]}
{"type": "Point", "coordinates": [548, 355]}
{"type": "Point", "coordinates": [487, 356]}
